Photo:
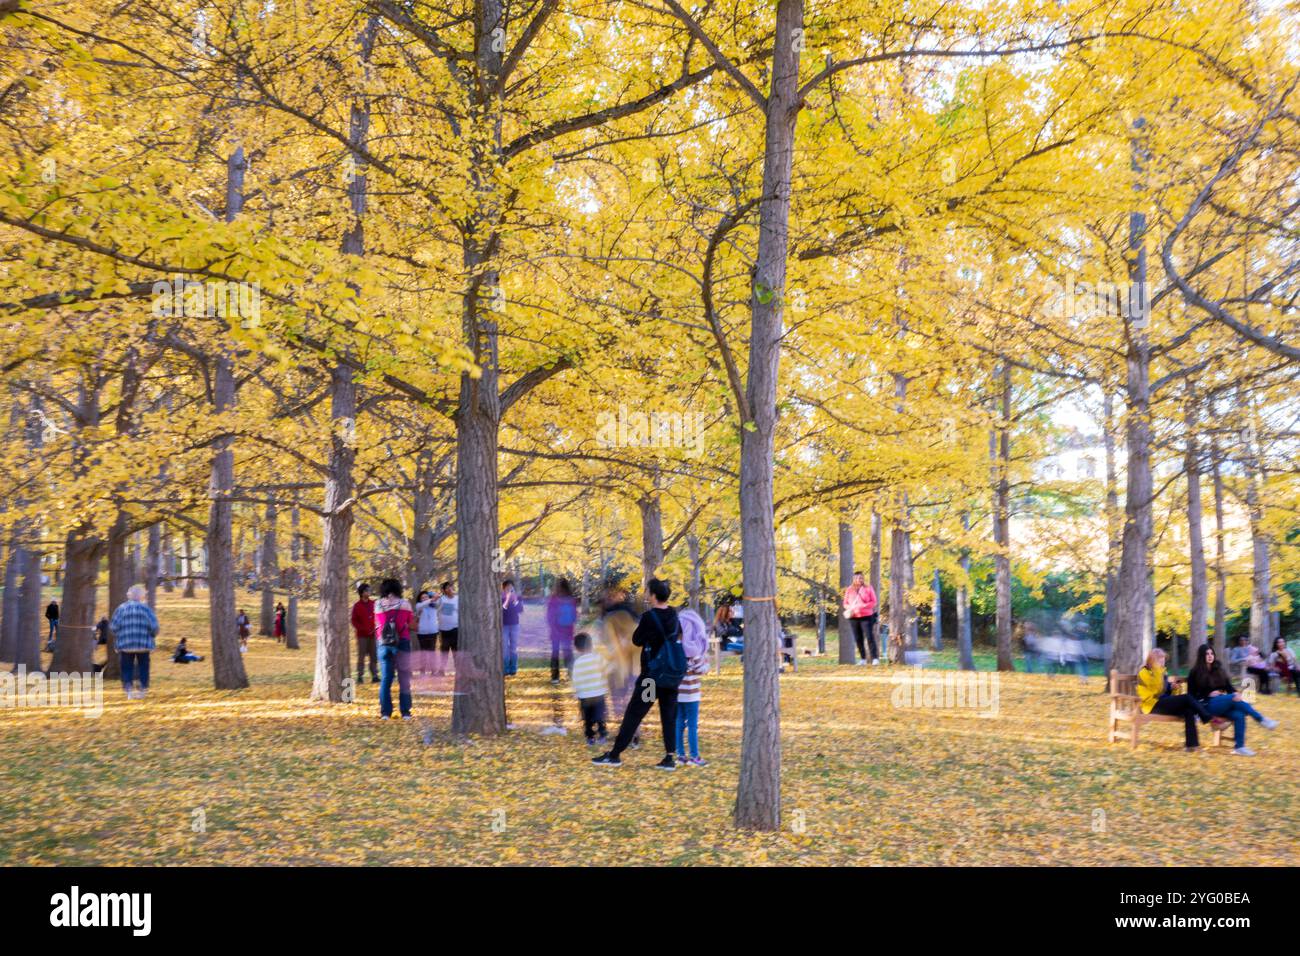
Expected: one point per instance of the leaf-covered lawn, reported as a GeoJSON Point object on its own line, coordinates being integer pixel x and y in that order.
{"type": "Point", "coordinates": [281, 781]}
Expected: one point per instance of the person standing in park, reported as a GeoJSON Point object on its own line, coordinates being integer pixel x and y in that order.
{"type": "Point", "coordinates": [393, 618]}
{"type": "Point", "coordinates": [511, 609]}
{"type": "Point", "coordinates": [135, 631]}
{"type": "Point", "coordinates": [663, 665]}
{"type": "Point", "coordinates": [278, 627]}
{"type": "Point", "coordinates": [860, 609]}
{"type": "Point", "coordinates": [448, 629]}
{"type": "Point", "coordinates": [363, 625]}
{"type": "Point", "coordinates": [426, 631]}
{"type": "Point", "coordinates": [695, 644]}
{"type": "Point", "coordinates": [52, 615]}
{"type": "Point", "coordinates": [241, 621]}
{"type": "Point", "coordinates": [590, 687]}
{"type": "Point", "coordinates": [561, 616]}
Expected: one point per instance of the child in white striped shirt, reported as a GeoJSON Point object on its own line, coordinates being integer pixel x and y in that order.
{"type": "Point", "coordinates": [695, 642]}
{"type": "Point", "coordinates": [590, 687]}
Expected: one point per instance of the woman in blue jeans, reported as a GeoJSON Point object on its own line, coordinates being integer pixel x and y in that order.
{"type": "Point", "coordinates": [1209, 683]}
{"type": "Point", "coordinates": [393, 617]}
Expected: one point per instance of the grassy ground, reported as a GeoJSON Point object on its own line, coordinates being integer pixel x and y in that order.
{"type": "Point", "coordinates": [274, 779]}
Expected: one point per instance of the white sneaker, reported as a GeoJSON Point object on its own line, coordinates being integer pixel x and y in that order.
{"type": "Point", "coordinates": [1268, 723]}
{"type": "Point", "coordinates": [875, 661]}
{"type": "Point", "coordinates": [1244, 752]}
{"type": "Point", "coordinates": [860, 663]}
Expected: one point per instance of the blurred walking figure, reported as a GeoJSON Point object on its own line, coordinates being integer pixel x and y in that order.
{"type": "Point", "coordinates": [663, 665]}
{"type": "Point", "coordinates": [561, 616]}
{"type": "Point", "coordinates": [1247, 656]}
{"type": "Point", "coordinates": [590, 688]}
{"type": "Point", "coordinates": [1156, 696]}
{"type": "Point", "coordinates": [52, 615]}
{"type": "Point", "coordinates": [135, 630]}
{"type": "Point", "coordinates": [363, 625]}
{"type": "Point", "coordinates": [860, 609]}
{"type": "Point", "coordinates": [241, 621]}
{"type": "Point", "coordinates": [695, 643]}
{"type": "Point", "coordinates": [1209, 683]}
{"type": "Point", "coordinates": [618, 619]}
{"type": "Point", "coordinates": [511, 609]}
{"type": "Point", "coordinates": [448, 629]}
{"type": "Point", "coordinates": [393, 618]}
{"type": "Point", "coordinates": [426, 631]}
{"type": "Point", "coordinates": [1283, 663]}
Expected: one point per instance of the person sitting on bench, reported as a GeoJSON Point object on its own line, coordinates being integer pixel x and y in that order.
{"type": "Point", "coordinates": [1209, 683]}
{"type": "Point", "coordinates": [1156, 696]}
{"type": "Point", "coordinates": [1246, 655]}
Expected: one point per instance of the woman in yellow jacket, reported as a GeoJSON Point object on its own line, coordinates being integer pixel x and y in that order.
{"type": "Point", "coordinates": [1156, 696]}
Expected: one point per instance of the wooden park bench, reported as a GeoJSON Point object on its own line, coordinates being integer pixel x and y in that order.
{"type": "Point", "coordinates": [1126, 707]}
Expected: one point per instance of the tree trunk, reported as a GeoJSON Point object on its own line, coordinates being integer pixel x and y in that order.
{"type": "Point", "coordinates": [1220, 559]}
{"type": "Point", "coordinates": [28, 632]}
{"type": "Point", "coordinates": [1133, 630]}
{"type": "Point", "coordinates": [899, 606]}
{"type": "Point", "coordinates": [966, 659]}
{"type": "Point", "coordinates": [875, 552]}
{"type": "Point", "coordinates": [694, 587]}
{"type": "Point", "coordinates": [652, 538]}
{"type": "Point", "coordinates": [333, 646]}
{"type": "Point", "coordinates": [74, 649]}
{"type": "Point", "coordinates": [120, 578]}
{"type": "Point", "coordinates": [12, 602]}
{"type": "Point", "coordinates": [227, 663]}
{"type": "Point", "coordinates": [295, 583]}
{"type": "Point", "coordinates": [479, 704]}
{"type": "Point", "coordinates": [1000, 451]}
{"type": "Point", "coordinates": [167, 563]}
{"type": "Point", "coordinates": [848, 652]}
{"type": "Point", "coordinates": [28, 636]}
{"type": "Point", "coordinates": [1195, 543]}
{"type": "Point", "coordinates": [188, 565]}
{"type": "Point", "coordinates": [333, 661]}
{"type": "Point", "coordinates": [1114, 531]}
{"type": "Point", "coordinates": [758, 795]}
{"type": "Point", "coordinates": [153, 563]}
{"type": "Point", "coordinates": [420, 558]}
{"type": "Point", "coordinates": [1261, 625]}
{"type": "Point", "coordinates": [936, 614]}
{"type": "Point", "coordinates": [269, 572]}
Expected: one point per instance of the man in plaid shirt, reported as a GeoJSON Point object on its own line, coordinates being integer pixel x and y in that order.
{"type": "Point", "coordinates": [134, 627]}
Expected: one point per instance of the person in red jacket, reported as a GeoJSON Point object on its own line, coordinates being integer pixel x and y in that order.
{"type": "Point", "coordinates": [363, 623]}
{"type": "Point", "coordinates": [860, 609]}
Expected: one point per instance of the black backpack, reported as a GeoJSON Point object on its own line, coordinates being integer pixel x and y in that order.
{"type": "Point", "coordinates": [388, 636]}
{"type": "Point", "coordinates": [667, 666]}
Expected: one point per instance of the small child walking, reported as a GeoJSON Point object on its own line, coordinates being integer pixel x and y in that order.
{"type": "Point", "coordinates": [590, 687]}
{"type": "Point", "coordinates": [695, 642]}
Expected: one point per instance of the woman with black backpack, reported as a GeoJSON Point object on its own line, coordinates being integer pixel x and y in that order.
{"type": "Point", "coordinates": [393, 617]}
{"type": "Point", "coordinates": [663, 665]}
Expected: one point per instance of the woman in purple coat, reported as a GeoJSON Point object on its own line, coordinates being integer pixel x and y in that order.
{"type": "Point", "coordinates": [561, 617]}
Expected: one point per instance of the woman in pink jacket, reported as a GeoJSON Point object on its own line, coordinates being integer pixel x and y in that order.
{"type": "Point", "coordinates": [393, 618]}
{"type": "Point", "coordinates": [860, 609]}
